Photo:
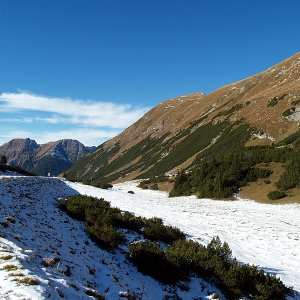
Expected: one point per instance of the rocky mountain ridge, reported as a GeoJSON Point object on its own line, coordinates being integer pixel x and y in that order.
{"type": "Point", "coordinates": [54, 157]}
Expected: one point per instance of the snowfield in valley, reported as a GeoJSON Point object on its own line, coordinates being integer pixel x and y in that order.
{"type": "Point", "coordinates": [261, 234]}
{"type": "Point", "coordinates": [32, 229]}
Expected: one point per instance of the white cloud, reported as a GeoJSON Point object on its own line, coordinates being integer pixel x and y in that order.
{"type": "Point", "coordinates": [64, 110]}
{"type": "Point", "coordinates": [46, 119]}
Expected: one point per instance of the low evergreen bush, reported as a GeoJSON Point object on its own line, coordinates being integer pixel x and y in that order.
{"type": "Point", "coordinates": [186, 257]}
{"type": "Point", "coordinates": [143, 185]}
{"type": "Point", "coordinates": [106, 236]}
{"type": "Point", "coordinates": [224, 174]}
{"type": "Point", "coordinates": [180, 259]}
{"type": "Point", "coordinates": [129, 221]}
{"type": "Point", "coordinates": [155, 230]}
{"type": "Point", "coordinates": [275, 195]}
{"type": "Point", "coordinates": [150, 259]}
{"type": "Point", "coordinates": [102, 185]}
{"type": "Point", "coordinates": [154, 187]}
{"type": "Point", "coordinates": [289, 112]}
{"type": "Point", "coordinates": [101, 219]}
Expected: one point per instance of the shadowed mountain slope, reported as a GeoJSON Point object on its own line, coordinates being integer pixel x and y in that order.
{"type": "Point", "coordinates": [53, 157]}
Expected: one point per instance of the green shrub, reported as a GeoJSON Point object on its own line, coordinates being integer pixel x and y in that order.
{"type": "Point", "coordinates": [215, 247]}
{"type": "Point", "coordinates": [223, 175]}
{"type": "Point", "coordinates": [215, 261]}
{"type": "Point", "coordinates": [293, 138]}
{"type": "Point", "coordinates": [155, 230]}
{"type": "Point", "coordinates": [106, 236]}
{"type": "Point", "coordinates": [77, 206]}
{"type": "Point", "coordinates": [154, 187]}
{"type": "Point", "coordinates": [233, 109]}
{"type": "Point", "coordinates": [273, 102]}
{"type": "Point", "coordinates": [150, 259]}
{"type": "Point", "coordinates": [181, 258]}
{"type": "Point", "coordinates": [102, 220]}
{"type": "Point", "coordinates": [274, 195]}
{"type": "Point", "coordinates": [143, 185]}
{"type": "Point", "coordinates": [183, 255]}
{"type": "Point", "coordinates": [102, 185]}
{"type": "Point", "coordinates": [182, 186]}
{"type": "Point", "coordinates": [129, 221]}
{"type": "Point", "coordinates": [289, 112]}
{"type": "Point", "coordinates": [291, 176]}
{"type": "Point", "coordinates": [255, 173]}
{"type": "Point", "coordinates": [295, 102]}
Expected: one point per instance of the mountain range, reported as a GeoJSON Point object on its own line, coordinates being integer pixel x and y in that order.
{"type": "Point", "coordinates": [179, 133]}
{"type": "Point", "coordinates": [54, 157]}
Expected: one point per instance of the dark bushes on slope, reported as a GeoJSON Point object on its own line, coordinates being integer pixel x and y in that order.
{"type": "Point", "coordinates": [274, 195]}
{"type": "Point", "coordinates": [182, 186]}
{"type": "Point", "coordinates": [185, 257]}
{"type": "Point", "coordinates": [291, 176]}
{"type": "Point", "coordinates": [180, 259]}
{"type": "Point", "coordinates": [150, 259]}
{"type": "Point", "coordinates": [103, 221]}
{"type": "Point", "coordinates": [105, 236]}
{"type": "Point", "coordinates": [155, 230]}
{"type": "Point", "coordinates": [222, 176]}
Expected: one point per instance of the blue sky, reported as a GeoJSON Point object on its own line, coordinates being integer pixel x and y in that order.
{"type": "Point", "coordinates": [86, 69]}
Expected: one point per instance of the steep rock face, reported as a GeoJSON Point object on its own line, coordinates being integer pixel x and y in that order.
{"type": "Point", "coordinates": [53, 157]}
{"type": "Point", "coordinates": [261, 109]}
{"type": "Point", "coordinates": [20, 152]}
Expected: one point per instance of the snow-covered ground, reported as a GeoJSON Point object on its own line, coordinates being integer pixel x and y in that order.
{"type": "Point", "coordinates": [261, 234]}
{"type": "Point", "coordinates": [38, 242]}
{"type": "Point", "coordinates": [33, 229]}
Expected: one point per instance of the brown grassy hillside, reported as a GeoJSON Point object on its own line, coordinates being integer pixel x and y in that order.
{"type": "Point", "coordinates": [180, 131]}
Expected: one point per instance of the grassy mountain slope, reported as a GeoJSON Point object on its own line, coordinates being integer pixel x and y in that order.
{"type": "Point", "coordinates": [182, 132]}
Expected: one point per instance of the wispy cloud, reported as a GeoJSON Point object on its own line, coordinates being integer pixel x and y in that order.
{"type": "Point", "coordinates": [79, 112]}
{"type": "Point", "coordinates": [48, 118]}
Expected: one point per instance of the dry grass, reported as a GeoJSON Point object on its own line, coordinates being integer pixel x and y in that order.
{"type": "Point", "coordinates": [50, 262]}
{"type": "Point", "coordinates": [165, 186]}
{"type": "Point", "coordinates": [10, 268]}
{"type": "Point", "coordinates": [258, 190]}
{"type": "Point", "coordinates": [6, 257]}
{"type": "Point", "coordinates": [16, 274]}
{"type": "Point", "coordinates": [28, 280]}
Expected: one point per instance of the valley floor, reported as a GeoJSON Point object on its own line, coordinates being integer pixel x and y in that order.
{"type": "Point", "coordinates": [261, 234]}
{"type": "Point", "coordinates": [34, 229]}
{"type": "Point", "coordinates": [45, 254]}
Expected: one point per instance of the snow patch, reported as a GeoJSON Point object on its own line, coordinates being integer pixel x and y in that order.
{"type": "Point", "coordinates": [262, 135]}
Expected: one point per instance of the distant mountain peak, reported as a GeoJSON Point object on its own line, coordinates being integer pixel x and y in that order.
{"type": "Point", "coordinates": [53, 157]}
